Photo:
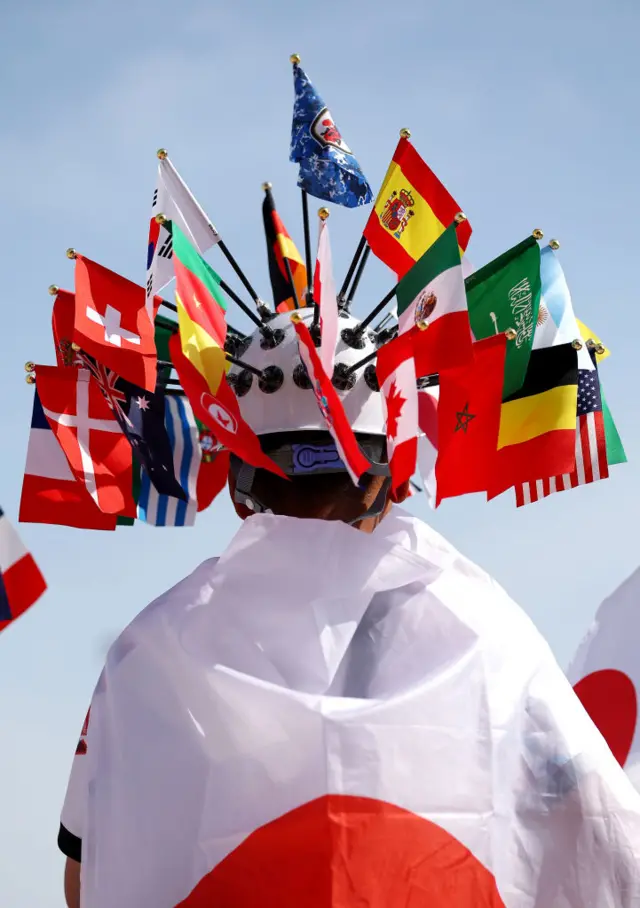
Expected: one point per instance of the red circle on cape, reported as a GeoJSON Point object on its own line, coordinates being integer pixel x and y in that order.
{"type": "Point", "coordinates": [609, 696]}
{"type": "Point", "coordinates": [347, 852]}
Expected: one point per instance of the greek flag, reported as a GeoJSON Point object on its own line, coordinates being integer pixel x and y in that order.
{"type": "Point", "coordinates": [163, 510]}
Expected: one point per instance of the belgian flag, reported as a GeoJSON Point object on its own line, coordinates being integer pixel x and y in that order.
{"type": "Point", "coordinates": [285, 262]}
{"type": "Point", "coordinates": [537, 435]}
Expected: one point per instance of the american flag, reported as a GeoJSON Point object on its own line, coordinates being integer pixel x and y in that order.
{"type": "Point", "coordinates": [591, 448]}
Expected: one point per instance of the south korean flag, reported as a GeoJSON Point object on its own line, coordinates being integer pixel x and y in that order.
{"type": "Point", "coordinates": [174, 201]}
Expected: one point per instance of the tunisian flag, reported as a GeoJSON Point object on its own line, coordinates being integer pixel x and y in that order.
{"type": "Point", "coordinates": [334, 719]}
{"type": "Point", "coordinates": [98, 453]}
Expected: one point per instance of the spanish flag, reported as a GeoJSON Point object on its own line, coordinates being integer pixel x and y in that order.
{"type": "Point", "coordinates": [411, 211]}
{"type": "Point", "coordinates": [201, 311]}
{"type": "Point", "coordinates": [537, 436]}
{"type": "Point", "coordinates": [285, 262]}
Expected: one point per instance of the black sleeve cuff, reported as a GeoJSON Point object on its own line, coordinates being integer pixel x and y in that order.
{"type": "Point", "coordinates": [70, 844]}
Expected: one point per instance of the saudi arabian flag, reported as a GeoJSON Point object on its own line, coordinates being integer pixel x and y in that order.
{"type": "Point", "coordinates": [432, 305]}
{"type": "Point", "coordinates": [505, 295]}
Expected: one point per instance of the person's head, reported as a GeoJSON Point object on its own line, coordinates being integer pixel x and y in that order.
{"type": "Point", "coordinates": [285, 415]}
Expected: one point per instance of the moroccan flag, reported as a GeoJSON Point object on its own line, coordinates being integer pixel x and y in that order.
{"type": "Point", "coordinates": [538, 423]}
{"type": "Point", "coordinates": [112, 323]}
{"type": "Point", "coordinates": [220, 411]}
{"type": "Point", "coordinates": [201, 311]}
{"type": "Point", "coordinates": [330, 405]}
{"type": "Point", "coordinates": [88, 433]}
{"type": "Point", "coordinates": [50, 492]}
{"type": "Point", "coordinates": [21, 583]}
{"type": "Point", "coordinates": [506, 294]}
{"type": "Point", "coordinates": [432, 306]}
{"type": "Point", "coordinates": [281, 250]}
{"type": "Point", "coordinates": [396, 372]}
{"type": "Point", "coordinates": [469, 420]}
{"type": "Point", "coordinates": [411, 211]}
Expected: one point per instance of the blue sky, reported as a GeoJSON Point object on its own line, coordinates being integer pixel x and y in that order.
{"type": "Point", "coordinates": [526, 112]}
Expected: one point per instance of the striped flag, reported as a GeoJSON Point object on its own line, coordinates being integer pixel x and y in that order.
{"type": "Point", "coordinates": [21, 583]}
{"type": "Point", "coordinates": [184, 436]}
{"type": "Point", "coordinates": [591, 446]}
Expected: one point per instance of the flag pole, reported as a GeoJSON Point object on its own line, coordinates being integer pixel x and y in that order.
{"type": "Point", "coordinates": [356, 280]}
{"type": "Point", "coordinates": [352, 268]}
{"type": "Point", "coordinates": [307, 245]}
{"type": "Point", "coordinates": [323, 214]}
{"type": "Point", "coordinates": [287, 264]}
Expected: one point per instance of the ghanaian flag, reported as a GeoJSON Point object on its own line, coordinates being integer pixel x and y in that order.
{"type": "Point", "coordinates": [537, 435]}
{"type": "Point", "coordinates": [201, 312]}
{"type": "Point", "coordinates": [411, 211]}
{"type": "Point", "coordinates": [285, 262]}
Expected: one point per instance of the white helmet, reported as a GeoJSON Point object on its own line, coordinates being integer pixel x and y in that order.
{"type": "Point", "coordinates": [282, 401]}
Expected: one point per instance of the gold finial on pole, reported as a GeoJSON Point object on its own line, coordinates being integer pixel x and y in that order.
{"type": "Point", "coordinates": [295, 317]}
{"type": "Point", "coordinates": [75, 347]}
{"type": "Point", "coordinates": [30, 379]}
{"type": "Point", "coordinates": [294, 58]}
{"type": "Point", "coordinates": [29, 366]}
{"type": "Point", "coordinates": [460, 218]}
{"type": "Point", "coordinates": [71, 253]}
{"type": "Point", "coordinates": [161, 219]}
{"type": "Point", "coordinates": [537, 234]}
{"type": "Point", "coordinates": [323, 213]}
{"type": "Point", "coordinates": [601, 349]}
{"type": "Point", "coordinates": [266, 186]}
{"type": "Point", "coordinates": [53, 289]}
{"type": "Point", "coordinates": [511, 334]}
{"type": "Point", "coordinates": [576, 344]}
{"type": "Point", "coordinates": [162, 153]}
{"type": "Point", "coordinates": [554, 244]}
{"type": "Point", "coordinates": [405, 133]}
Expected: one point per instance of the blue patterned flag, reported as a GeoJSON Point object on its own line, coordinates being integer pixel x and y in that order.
{"type": "Point", "coordinates": [328, 167]}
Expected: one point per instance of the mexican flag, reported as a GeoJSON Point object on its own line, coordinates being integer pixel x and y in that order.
{"type": "Point", "coordinates": [432, 307]}
{"type": "Point", "coordinates": [201, 311]}
{"type": "Point", "coordinates": [504, 295]}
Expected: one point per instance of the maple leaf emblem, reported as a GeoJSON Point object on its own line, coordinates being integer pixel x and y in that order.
{"type": "Point", "coordinates": [395, 403]}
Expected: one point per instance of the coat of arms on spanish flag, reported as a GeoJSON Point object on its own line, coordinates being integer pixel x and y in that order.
{"type": "Point", "coordinates": [411, 210]}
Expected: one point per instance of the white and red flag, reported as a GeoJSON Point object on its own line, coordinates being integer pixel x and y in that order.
{"type": "Point", "coordinates": [97, 451]}
{"type": "Point", "coordinates": [335, 719]}
{"type": "Point", "coordinates": [21, 583]}
{"type": "Point", "coordinates": [112, 323]}
{"type": "Point", "coordinates": [173, 199]}
{"type": "Point", "coordinates": [396, 371]}
{"type": "Point", "coordinates": [428, 440]}
{"type": "Point", "coordinates": [324, 295]}
{"type": "Point", "coordinates": [330, 404]}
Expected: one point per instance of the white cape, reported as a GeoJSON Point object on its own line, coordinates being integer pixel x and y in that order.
{"type": "Point", "coordinates": [384, 671]}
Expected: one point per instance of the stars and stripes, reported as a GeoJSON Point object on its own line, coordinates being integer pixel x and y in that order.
{"type": "Point", "coordinates": [591, 448]}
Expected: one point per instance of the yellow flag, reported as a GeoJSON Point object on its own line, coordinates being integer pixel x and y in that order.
{"type": "Point", "coordinates": [587, 334]}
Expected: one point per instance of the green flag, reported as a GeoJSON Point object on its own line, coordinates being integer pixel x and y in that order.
{"type": "Point", "coordinates": [615, 449]}
{"type": "Point", "coordinates": [506, 294]}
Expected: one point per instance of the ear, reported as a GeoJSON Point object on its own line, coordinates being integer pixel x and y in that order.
{"type": "Point", "coordinates": [401, 493]}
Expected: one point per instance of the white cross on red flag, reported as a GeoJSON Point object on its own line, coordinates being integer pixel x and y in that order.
{"type": "Point", "coordinates": [112, 323]}
{"type": "Point", "coordinates": [98, 453]}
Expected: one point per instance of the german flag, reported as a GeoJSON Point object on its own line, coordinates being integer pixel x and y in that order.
{"type": "Point", "coordinates": [285, 262]}
{"type": "Point", "coordinates": [411, 211]}
{"type": "Point", "coordinates": [537, 436]}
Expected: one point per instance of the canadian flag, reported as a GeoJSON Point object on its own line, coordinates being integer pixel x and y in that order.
{"type": "Point", "coordinates": [98, 453]}
{"type": "Point", "coordinates": [112, 323]}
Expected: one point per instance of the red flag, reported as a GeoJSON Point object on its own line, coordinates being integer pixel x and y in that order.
{"type": "Point", "coordinates": [469, 420]}
{"type": "Point", "coordinates": [396, 371]}
{"type": "Point", "coordinates": [50, 491]}
{"type": "Point", "coordinates": [98, 453]}
{"type": "Point", "coordinates": [21, 583]}
{"type": "Point", "coordinates": [112, 323]}
{"type": "Point", "coordinates": [330, 405]}
{"type": "Point", "coordinates": [62, 321]}
{"type": "Point", "coordinates": [220, 412]}
{"type": "Point", "coordinates": [212, 477]}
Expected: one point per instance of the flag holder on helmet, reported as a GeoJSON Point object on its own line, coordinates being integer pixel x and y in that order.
{"type": "Point", "coordinates": [258, 383]}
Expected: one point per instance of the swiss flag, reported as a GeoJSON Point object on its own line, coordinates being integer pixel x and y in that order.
{"type": "Point", "coordinates": [220, 412]}
{"type": "Point", "coordinates": [112, 323]}
{"type": "Point", "coordinates": [330, 405]}
{"type": "Point", "coordinates": [98, 453]}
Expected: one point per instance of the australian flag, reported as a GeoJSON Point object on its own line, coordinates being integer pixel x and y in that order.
{"type": "Point", "coordinates": [328, 167]}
